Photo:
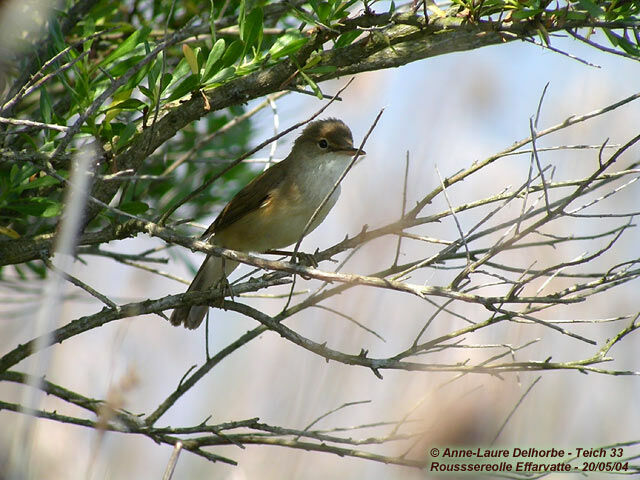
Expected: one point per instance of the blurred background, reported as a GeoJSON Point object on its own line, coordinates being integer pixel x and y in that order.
{"type": "Point", "coordinates": [447, 112]}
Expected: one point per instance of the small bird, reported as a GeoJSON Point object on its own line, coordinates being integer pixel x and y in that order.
{"type": "Point", "coordinates": [272, 210]}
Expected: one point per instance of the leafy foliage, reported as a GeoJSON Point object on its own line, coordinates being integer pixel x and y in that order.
{"type": "Point", "coordinates": [123, 69]}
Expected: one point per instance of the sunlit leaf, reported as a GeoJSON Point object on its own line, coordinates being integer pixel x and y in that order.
{"type": "Point", "coordinates": [214, 55]}
{"type": "Point", "coordinates": [113, 109]}
{"type": "Point", "coordinates": [223, 75]}
{"type": "Point", "coordinates": [128, 45]}
{"type": "Point", "coordinates": [291, 41]}
{"type": "Point", "coordinates": [9, 232]}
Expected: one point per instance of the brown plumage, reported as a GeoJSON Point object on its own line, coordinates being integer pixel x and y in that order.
{"type": "Point", "coordinates": [271, 211]}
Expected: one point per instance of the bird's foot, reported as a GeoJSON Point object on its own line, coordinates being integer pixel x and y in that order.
{"type": "Point", "coordinates": [226, 290]}
{"type": "Point", "coordinates": [306, 259]}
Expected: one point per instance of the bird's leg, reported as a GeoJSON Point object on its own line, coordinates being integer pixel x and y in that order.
{"type": "Point", "coordinates": [307, 259]}
{"type": "Point", "coordinates": [225, 287]}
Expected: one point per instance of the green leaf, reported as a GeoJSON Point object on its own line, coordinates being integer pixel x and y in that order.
{"type": "Point", "coordinates": [214, 55]}
{"type": "Point", "coordinates": [212, 21]}
{"type": "Point", "coordinates": [291, 41]}
{"type": "Point", "coordinates": [304, 16]}
{"type": "Point", "coordinates": [627, 46]}
{"type": "Point", "coordinates": [167, 78]}
{"type": "Point", "coordinates": [251, 32]}
{"type": "Point", "coordinates": [113, 109]}
{"type": "Point", "coordinates": [347, 38]}
{"type": "Point", "coordinates": [322, 69]}
{"type": "Point", "coordinates": [242, 13]}
{"type": "Point", "coordinates": [134, 207]}
{"type": "Point", "coordinates": [30, 140]}
{"type": "Point", "coordinates": [45, 181]}
{"type": "Point", "coordinates": [20, 273]}
{"type": "Point", "coordinates": [233, 52]}
{"type": "Point", "coordinates": [53, 209]}
{"type": "Point", "coordinates": [38, 268]}
{"type": "Point", "coordinates": [128, 45]}
{"type": "Point", "coordinates": [180, 71]}
{"type": "Point", "coordinates": [13, 174]}
{"type": "Point", "coordinates": [46, 108]}
{"type": "Point", "coordinates": [147, 93]}
{"type": "Point", "coordinates": [323, 11]}
{"type": "Point", "coordinates": [223, 75]}
{"type": "Point", "coordinates": [78, 100]}
{"type": "Point", "coordinates": [188, 85]}
{"type": "Point", "coordinates": [129, 104]}
{"type": "Point", "coordinates": [247, 69]}
{"type": "Point", "coordinates": [137, 78]}
{"type": "Point", "coordinates": [312, 62]}
{"type": "Point", "coordinates": [526, 13]}
{"type": "Point", "coordinates": [56, 34]}
{"type": "Point", "coordinates": [573, 15]}
{"type": "Point", "coordinates": [125, 65]}
{"type": "Point", "coordinates": [312, 84]}
{"type": "Point", "coordinates": [24, 175]}
{"type": "Point", "coordinates": [125, 135]}
{"type": "Point", "coordinates": [154, 71]}
{"type": "Point", "coordinates": [37, 207]}
{"type": "Point", "coordinates": [591, 7]}
{"type": "Point", "coordinates": [613, 38]}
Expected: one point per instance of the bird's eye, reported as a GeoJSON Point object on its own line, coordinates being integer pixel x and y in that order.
{"type": "Point", "coordinates": [323, 143]}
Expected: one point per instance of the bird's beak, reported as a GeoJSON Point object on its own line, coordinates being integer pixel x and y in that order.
{"type": "Point", "coordinates": [352, 151]}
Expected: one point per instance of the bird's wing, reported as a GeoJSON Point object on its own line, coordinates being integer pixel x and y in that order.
{"type": "Point", "coordinates": [250, 198]}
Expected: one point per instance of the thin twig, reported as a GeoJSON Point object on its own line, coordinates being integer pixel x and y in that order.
{"type": "Point", "coordinates": [31, 123]}
{"type": "Point", "coordinates": [325, 415]}
{"type": "Point", "coordinates": [79, 283]}
{"type": "Point", "coordinates": [352, 320]}
{"type": "Point", "coordinates": [404, 207]}
{"type": "Point", "coordinates": [513, 410]}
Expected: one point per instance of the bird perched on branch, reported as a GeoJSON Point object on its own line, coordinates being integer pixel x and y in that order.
{"type": "Point", "coordinates": [272, 211]}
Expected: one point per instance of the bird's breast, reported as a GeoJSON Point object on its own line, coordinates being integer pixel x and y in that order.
{"type": "Point", "coordinates": [281, 219]}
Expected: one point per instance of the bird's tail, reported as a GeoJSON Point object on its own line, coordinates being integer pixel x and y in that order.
{"type": "Point", "coordinates": [212, 270]}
